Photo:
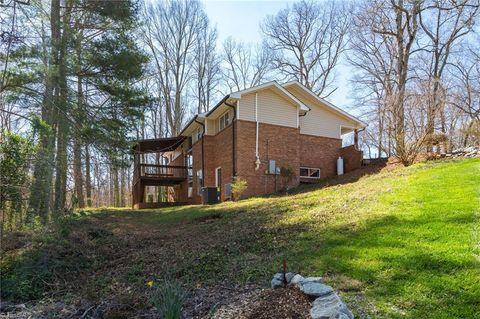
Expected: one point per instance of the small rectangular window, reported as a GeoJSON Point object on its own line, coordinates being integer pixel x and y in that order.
{"type": "Point", "coordinates": [309, 172]}
{"type": "Point", "coordinates": [223, 121]}
{"type": "Point", "coordinates": [199, 133]}
{"type": "Point", "coordinates": [226, 119]}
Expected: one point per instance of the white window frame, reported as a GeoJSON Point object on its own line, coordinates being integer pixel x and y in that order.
{"type": "Point", "coordinates": [310, 170]}
{"type": "Point", "coordinates": [197, 135]}
{"type": "Point", "coordinates": [223, 119]}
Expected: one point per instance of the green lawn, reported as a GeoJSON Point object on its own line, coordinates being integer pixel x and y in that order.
{"type": "Point", "coordinates": [403, 243]}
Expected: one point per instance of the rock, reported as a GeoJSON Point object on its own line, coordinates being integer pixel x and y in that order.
{"type": "Point", "coordinates": [330, 306]}
{"type": "Point", "coordinates": [312, 279]}
{"type": "Point", "coordinates": [290, 276]}
{"type": "Point", "coordinates": [277, 280]}
{"type": "Point", "coordinates": [275, 283]}
{"type": "Point", "coordinates": [315, 289]}
{"type": "Point", "coordinates": [296, 279]}
{"type": "Point", "coordinates": [278, 275]}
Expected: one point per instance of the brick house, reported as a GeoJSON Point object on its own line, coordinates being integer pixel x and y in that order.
{"type": "Point", "coordinates": [249, 134]}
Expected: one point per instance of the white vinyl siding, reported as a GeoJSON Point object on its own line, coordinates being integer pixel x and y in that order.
{"type": "Point", "coordinates": [247, 111]}
{"type": "Point", "coordinates": [213, 125]}
{"type": "Point", "coordinates": [319, 121]}
{"type": "Point", "coordinates": [210, 127]}
{"type": "Point", "coordinates": [272, 109]}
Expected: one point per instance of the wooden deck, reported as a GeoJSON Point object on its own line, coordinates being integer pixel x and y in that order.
{"type": "Point", "coordinates": [155, 175]}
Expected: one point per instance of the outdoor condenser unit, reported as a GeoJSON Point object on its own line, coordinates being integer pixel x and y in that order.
{"type": "Point", "coordinates": [210, 195]}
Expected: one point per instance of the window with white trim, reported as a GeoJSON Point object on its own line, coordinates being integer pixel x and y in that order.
{"type": "Point", "coordinates": [199, 133]}
{"type": "Point", "coordinates": [223, 121]}
{"type": "Point", "coordinates": [309, 172]}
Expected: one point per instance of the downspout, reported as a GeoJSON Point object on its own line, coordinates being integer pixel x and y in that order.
{"type": "Point", "coordinates": [203, 153]}
{"type": "Point", "coordinates": [257, 157]}
{"type": "Point", "coordinates": [233, 137]}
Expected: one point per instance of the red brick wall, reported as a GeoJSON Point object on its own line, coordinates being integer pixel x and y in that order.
{"type": "Point", "coordinates": [218, 153]}
{"type": "Point", "coordinates": [352, 158]}
{"type": "Point", "coordinates": [283, 144]}
{"type": "Point", "coordinates": [277, 143]}
{"type": "Point", "coordinates": [320, 152]}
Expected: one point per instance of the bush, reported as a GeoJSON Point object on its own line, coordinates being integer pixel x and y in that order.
{"type": "Point", "coordinates": [48, 258]}
{"type": "Point", "coordinates": [168, 298]}
{"type": "Point", "coordinates": [238, 187]}
{"type": "Point", "coordinates": [287, 174]}
{"type": "Point", "coordinates": [25, 278]}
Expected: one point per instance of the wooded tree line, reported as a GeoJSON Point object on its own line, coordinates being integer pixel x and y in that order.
{"type": "Point", "coordinates": [80, 80]}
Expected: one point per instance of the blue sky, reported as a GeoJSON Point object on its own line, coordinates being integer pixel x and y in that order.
{"type": "Point", "coordinates": [241, 20]}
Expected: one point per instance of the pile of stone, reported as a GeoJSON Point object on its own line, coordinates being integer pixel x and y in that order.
{"type": "Point", "coordinates": [470, 151]}
{"type": "Point", "coordinates": [326, 305]}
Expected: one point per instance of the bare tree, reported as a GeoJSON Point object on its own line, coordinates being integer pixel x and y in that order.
{"type": "Point", "coordinates": [172, 32]}
{"type": "Point", "coordinates": [465, 95]}
{"type": "Point", "coordinates": [444, 23]}
{"type": "Point", "coordinates": [373, 56]}
{"type": "Point", "coordinates": [307, 41]}
{"type": "Point", "coordinates": [206, 69]}
{"type": "Point", "coordinates": [398, 20]}
{"type": "Point", "coordinates": [244, 65]}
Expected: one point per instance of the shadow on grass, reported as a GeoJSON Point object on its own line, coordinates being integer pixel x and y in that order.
{"type": "Point", "coordinates": [402, 266]}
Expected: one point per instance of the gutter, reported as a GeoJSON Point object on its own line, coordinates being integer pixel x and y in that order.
{"type": "Point", "coordinates": [203, 150]}
{"type": "Point", "coordinates": [233, 135]}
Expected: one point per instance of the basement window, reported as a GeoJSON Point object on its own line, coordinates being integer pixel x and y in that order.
{"type": "Point", "coordinates": [223, 121]}
{"type": "Point", "coordinates": [309, 172]}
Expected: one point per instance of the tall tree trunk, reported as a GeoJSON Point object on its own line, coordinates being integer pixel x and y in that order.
{"type": "Point", "coordinates": [116, 187]}
{"type": "Point", "coordinates": [77, 172]}
{"type": "Point", "coordinates": [431, 111]}
{"type": "Point", "coordinates": [88, 179]}
{"type": "Point", "coordinates": [63, 127]}
{"type": "Point", "coordinates": [40, 200]}
{"type": "Point", "coordinates": [443, 127]}
{"type": "Point", "coordinates": [77, 148]}
{"type": "Point", "coordinates": [122, 187]}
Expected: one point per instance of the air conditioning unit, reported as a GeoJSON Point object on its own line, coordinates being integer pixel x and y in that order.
{"type": "Point", "coordinates": [210, 195]}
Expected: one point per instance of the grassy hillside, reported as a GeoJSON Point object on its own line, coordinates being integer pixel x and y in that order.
{"type": "Point", "coordinates": [403, 243]}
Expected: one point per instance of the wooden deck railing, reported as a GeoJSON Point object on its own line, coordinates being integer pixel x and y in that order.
{"type": "Point", "coordinates": [154, 171]}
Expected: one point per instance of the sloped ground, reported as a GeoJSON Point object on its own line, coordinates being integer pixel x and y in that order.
{"type": "Point", "coordinates": [400, 243]}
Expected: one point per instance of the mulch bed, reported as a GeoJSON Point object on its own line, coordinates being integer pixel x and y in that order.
{"type": "Point", "coordinates": [284, 303]}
